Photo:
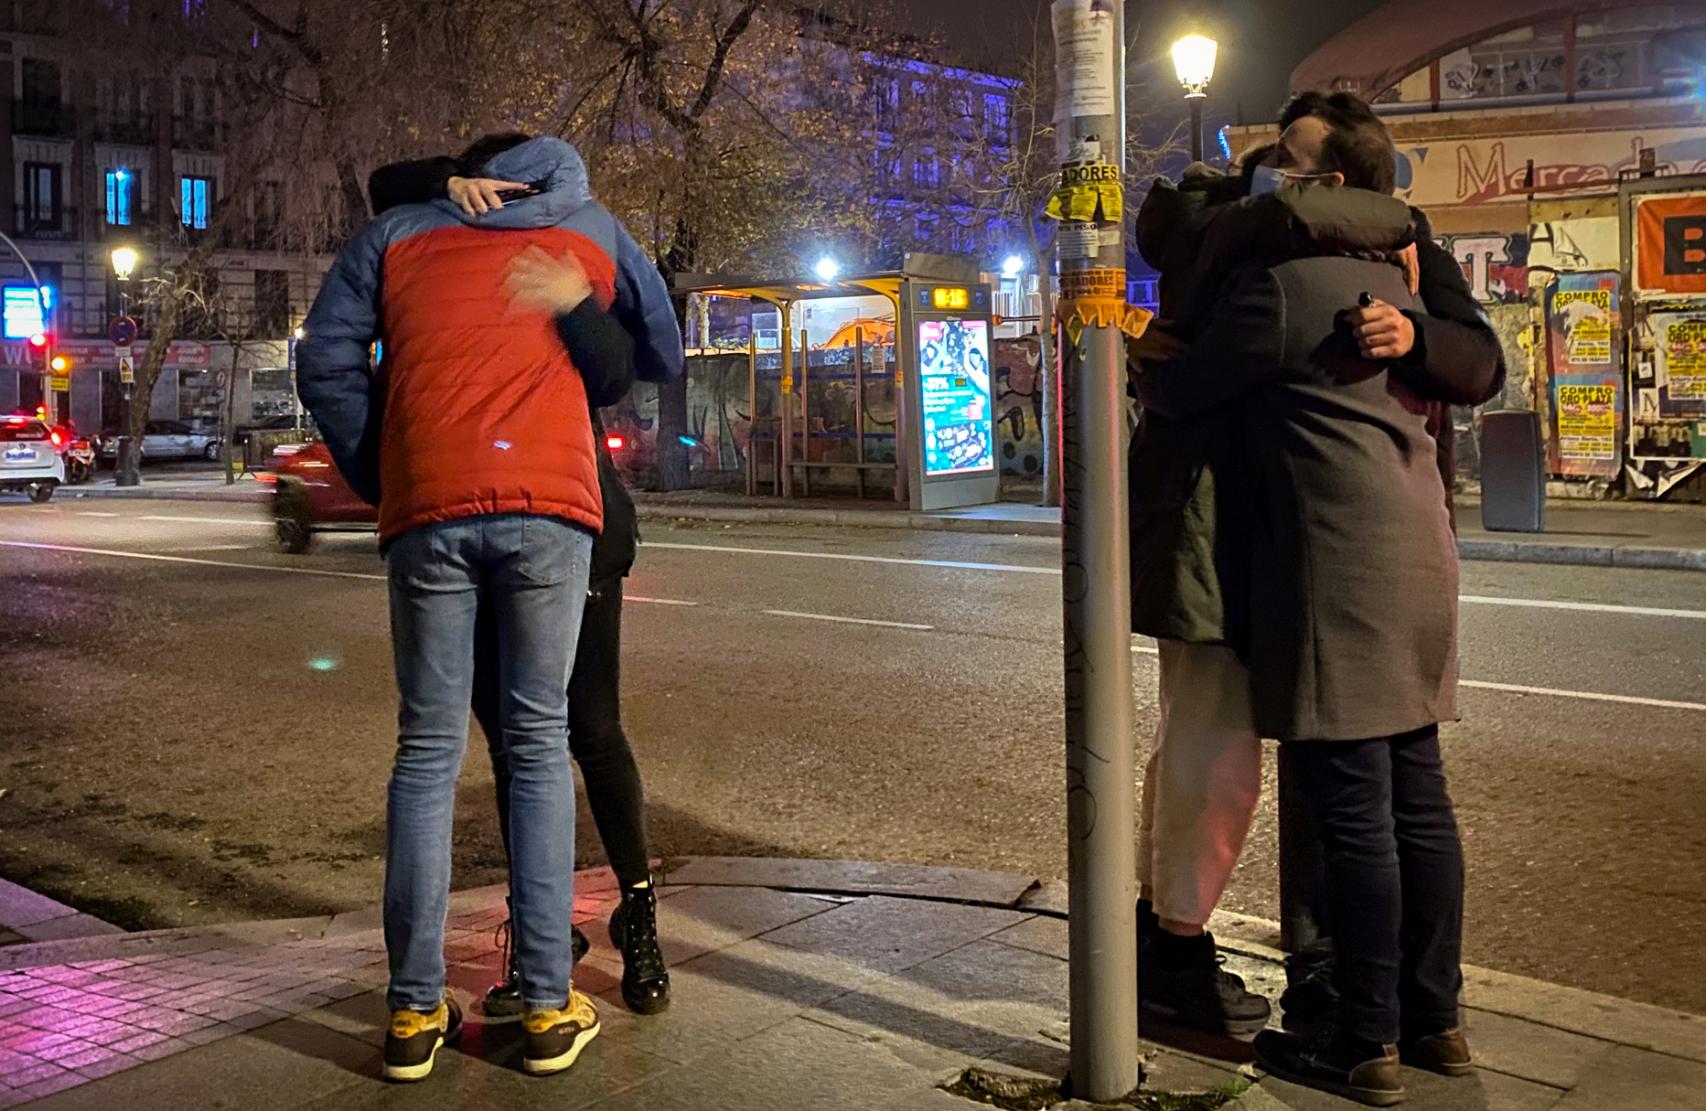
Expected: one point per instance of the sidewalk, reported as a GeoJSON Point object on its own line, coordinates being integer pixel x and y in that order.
{"type": "Point", "coordinates": [798, 984]}
{"type": "Point", "coordinates": [1604, 534]}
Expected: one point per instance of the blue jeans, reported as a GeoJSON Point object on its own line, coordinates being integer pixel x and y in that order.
{"type": "Point", "coordinates": [533, 572]}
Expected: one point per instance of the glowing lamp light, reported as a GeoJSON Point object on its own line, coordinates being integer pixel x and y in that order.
{"type": "Point", "coordinates": [827, 269]}
{"type": "Point", "coordinates": [38, 340]}
{"type": "Point", "coordinates": [1193, 62]}
{"type": "Point", "coordinates": [614, 442]}
{"type": "Point", "coordinates": [124, 262]}
{"type": "Point", "coordinates": [1012, 267]}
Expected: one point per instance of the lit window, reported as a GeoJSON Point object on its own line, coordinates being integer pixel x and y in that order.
{"type": "Point", "coordinates": [121, 197]}
{"type": "Point", "coordinates": [195, 201]}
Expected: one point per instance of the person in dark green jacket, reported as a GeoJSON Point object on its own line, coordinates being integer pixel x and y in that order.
{"type": "Point", "coordinates": [1190, 544]}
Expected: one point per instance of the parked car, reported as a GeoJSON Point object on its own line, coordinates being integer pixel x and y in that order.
{"type": "Point", "coordinates": [310, 496]}
{"type": "Point", "coordinates": [29, 458]}
{"type": "Point", "coordinates": [165, 439]}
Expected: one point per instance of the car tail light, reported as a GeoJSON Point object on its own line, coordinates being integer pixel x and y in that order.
{"type": "Point", "coordinates": [266, 478]}
{"type": "Point", "coordinates": [614, 442]}
{"type": "Point", "coordinates": [57, 437]}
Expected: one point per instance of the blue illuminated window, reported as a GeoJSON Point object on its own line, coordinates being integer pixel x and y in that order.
{"type": "Point", "coordinates": [121, 197]}
{"type": "Point", "coordinates": [196, 200]}
{"type": "Point", "coordinates": [22, 312]}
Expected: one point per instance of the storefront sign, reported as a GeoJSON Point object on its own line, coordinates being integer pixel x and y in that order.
{"type": "Point", "coordinates": [1587, 384]}
{"type": "Point", "coordinates": [959, 429]}
{"type": "Point", "coordinates": [1670, 245]}
{"type": "Point", "coordinates": [98, 353]}
{"type": "Point", "coordinates": [1491, 171]}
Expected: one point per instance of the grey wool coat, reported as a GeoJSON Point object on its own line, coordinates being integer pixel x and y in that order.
{"type": "Point", "coordinates": [1352, 568]}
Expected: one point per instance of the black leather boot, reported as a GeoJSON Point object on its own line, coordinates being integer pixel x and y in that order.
{"type": "Point", "coordinates": [503, 1002]}
{"type": "Point", "coordinates": [634, 931]}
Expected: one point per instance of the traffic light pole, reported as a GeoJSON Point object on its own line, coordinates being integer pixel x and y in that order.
{"type": "Point", "coordinates": [1096, 587]}
{"type": "Point", "coordinates": [49, 402]}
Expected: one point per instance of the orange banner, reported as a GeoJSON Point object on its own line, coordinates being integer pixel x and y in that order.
{"type": "Point", "coordinates": [1670, 238]}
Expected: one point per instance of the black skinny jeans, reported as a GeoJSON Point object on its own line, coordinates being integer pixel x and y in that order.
{"type": "Point", "coordinates": [596, 739]}
{"type": "Point", "coordinates": [1394, 868]}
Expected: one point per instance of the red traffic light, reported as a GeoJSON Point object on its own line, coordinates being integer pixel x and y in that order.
{"type": "Point", "coordinates": [39, 340]}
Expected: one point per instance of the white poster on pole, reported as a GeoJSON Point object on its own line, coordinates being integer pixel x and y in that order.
{"type": "Point", "coordinates": [1084, 58]}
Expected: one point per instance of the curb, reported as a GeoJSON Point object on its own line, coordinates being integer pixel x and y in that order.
{"type": "Point", "coordinates": [836, 518]}
{"type": "Point", "coordinates": [1591, 1014]}
{"type": "Point", "coordinates": [147, 493]}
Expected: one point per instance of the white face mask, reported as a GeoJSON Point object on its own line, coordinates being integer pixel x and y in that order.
{"type": "Point", "coordinates": [1271, 179]}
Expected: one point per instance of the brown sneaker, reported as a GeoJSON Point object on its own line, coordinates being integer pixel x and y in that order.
{"type": "Point", "coordinates": [555, 1038]}
{"type": "Point", "coordinates": [1446, 1053]}
{"type": "Point", "coordinates": [1329, 1062]}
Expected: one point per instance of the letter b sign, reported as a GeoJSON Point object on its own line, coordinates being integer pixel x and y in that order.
{"type": "Point", "coordinates": [1685, 245]}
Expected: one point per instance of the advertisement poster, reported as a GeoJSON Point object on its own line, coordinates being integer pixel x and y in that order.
{"type": "Point", "coordinates": [1585, 351]}
{"type": "Point", "coordinates": [1680, 340]}
{"type": "Point", "coordinates": [1670, 245]}
{"type": "Point", "coordinates": [959, 426]}
{"type": "Point", "coordinates": [1084, 58]}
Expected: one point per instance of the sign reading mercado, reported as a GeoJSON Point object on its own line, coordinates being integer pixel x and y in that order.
{"type": "Point", "coordinates": [959, 429]}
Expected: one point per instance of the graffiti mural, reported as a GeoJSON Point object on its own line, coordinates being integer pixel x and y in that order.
{"type": "Point", "coordinates": [1019, 405]}
{"type": "Point", "coordinates": [1495, 264]}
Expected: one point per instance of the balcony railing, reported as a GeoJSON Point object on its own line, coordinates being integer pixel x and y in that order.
{"type": "Point", "coordinates": [41, 117]}
{"type": "Point", "coordinates": [193, 133]}
{"type": "Point", "coordinates": [33, 225]}
{"type": "Point", "coordinates": [134, 128]}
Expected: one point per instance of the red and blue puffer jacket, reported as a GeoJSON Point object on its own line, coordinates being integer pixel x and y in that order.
{"type": "Point", "coordinates": [476, 408]}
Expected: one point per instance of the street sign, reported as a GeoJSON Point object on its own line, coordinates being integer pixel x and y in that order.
{"type": "Point", "coordinates": [122, 331]}
{"type": "Point", "coordinates": [61, 384]}
{"type": "Point", "coordinates": [126, 369]}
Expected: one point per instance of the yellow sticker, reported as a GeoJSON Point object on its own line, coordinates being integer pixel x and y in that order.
{"type": "Point", "coordinates": [1104, 282]}
{"type": "Point", "coordinates": [1088, 192]}
{"type": "Point", "coordinates": [1077, 313]}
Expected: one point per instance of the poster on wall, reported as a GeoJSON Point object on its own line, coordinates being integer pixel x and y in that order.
{"type": "Point", "coordinates": [959, 425]}
{"type": "Point", "coordinates": [1584, 349]}
{"type": "Point", "coordinates": [1680, 346]}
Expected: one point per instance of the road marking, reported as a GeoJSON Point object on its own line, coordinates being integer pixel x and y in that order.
{"type": "Point", "coordinates": [1584, 607]}
{"type": "Point", "coordinates": [268, 523]}
{"type": "Point", "coordinates": [92, 513]}
{"type": "Point", "coordinates": [214, 548]}
{"type": "Point", "coordinates": [656, 601]}
{"type": "Point", "coordinates": [153, 558]}
{"type": "Point", "coordinates": [1585, 696]}
{"type": "Point", "coordinates": [950, 564]}
{"type": "Point", "coordinates": [851, 620]}
{"type": "Point", "coordinates": [1025, 569]}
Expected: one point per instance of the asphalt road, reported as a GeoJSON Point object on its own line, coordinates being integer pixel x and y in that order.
{"type": "Point", "coordinates": [197, 728]}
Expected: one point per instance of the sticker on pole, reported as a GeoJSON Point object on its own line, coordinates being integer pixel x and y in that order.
{"type": "Point", "coordinates": [1079, 240]}
{"type": "Point", "coordinates": [1098, 283]}
{"type": "Point", "coordinates": [1089, 192]}
{"type": "Point", "coordinates": [1084, 58]}
{"type": "Point", "coordinates": [126, 370]}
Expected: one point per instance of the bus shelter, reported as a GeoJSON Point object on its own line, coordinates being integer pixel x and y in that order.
{"type": "Point", "coordinates": [936, 346]}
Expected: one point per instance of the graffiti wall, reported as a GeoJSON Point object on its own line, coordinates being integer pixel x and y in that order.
{"type": "Point", "coordinates": [1019, 406]}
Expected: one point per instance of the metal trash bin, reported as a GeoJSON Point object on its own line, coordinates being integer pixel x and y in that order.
{"type": "Point", "coordinates": [1513, 472]}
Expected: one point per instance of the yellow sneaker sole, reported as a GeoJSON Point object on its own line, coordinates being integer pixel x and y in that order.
{"type": "Point", "coordinates": [544, 1066]}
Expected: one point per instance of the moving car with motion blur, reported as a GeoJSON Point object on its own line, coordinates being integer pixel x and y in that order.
{"type": "Point", "coordinates": [30, 462]}
{"type": "Point", "coordinates": [310, 496]}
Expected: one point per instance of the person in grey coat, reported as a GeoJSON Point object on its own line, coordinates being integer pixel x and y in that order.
{"type": "Point", "coordinates": [1351, 614]}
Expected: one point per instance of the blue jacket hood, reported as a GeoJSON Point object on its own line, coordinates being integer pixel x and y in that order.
{"type": "Point", "coordinates": [548, 161]}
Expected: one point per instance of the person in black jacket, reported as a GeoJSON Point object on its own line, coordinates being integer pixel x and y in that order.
{"type": "Point", "coordinates": [604, 351]}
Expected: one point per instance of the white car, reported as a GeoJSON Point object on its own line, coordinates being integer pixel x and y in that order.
{"type": "Point", "coordinates": [29, 459]}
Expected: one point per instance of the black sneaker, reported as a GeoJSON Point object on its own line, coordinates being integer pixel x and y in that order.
{"type": "Point", "coordinates": [555, 1038]}
{"type": "Point", "coordinates": [1309, 999]}
{"type": "Point", "coordinates": [1331, 1062]}
{"type": "Point", "coordinates": [503, 1002]}
{"type": "Point", "coordinates": [1180, 981]}
{"type": "Point", "coordinates": [412, 1042]}
{"type": "Point", "coordinates": [634, 931]}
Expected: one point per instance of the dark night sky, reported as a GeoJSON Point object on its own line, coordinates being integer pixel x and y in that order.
{"type": "Point", "coordinates": [1260, 40]}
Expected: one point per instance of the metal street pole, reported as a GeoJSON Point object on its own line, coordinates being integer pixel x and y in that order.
{"type": "Point", "coordinates": [1196, 127]}
{"type": "Point", "coordinates": [1096, 587]}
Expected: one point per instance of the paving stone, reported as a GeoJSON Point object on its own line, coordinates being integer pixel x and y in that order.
{"type": "Point", "coordinates": [1636, 1080]}
{"type": "Point", "coordinates": [108, 1065]}
{"type": "Point", "coordinates": [1589, 1013]}
{"type": "Point", "coordinates": [1530, 1051]}
{"type": "Point", "coordinates": [68, 927]}
{"type": "Point", "coordinates": [40, 1070]}
{"type": "Point", "coordinates": [705, 919]}
{"type": "Point", "coordinates": [1040, 935]}
{"type": "Point", "coordinates": [44, 1088]}
{"type": "Point", "coordinates": [891, 935]}
{"type": "Point", "coordinates": [19, 906]}
{"type": "Point", "coordinates": [1480, 1091]}
{"type": "Point", "coordinates": [283, 1070]}
{"type": "Point", "coordinates": [748, 987]}
{"type": "Point", "coordinates": [972, 1002]}
{"type": "Point", "coordinates": [855, 877]}
{"type": "Point", "coordinates": [798, 1064]}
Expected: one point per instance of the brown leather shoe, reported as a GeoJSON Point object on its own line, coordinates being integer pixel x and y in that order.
{"type": "Point", "coordinates": [1446, 1053]}
{"type": "Point", "coordinates": [1328, 1062]}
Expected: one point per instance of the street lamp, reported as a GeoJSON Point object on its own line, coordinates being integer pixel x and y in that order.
{"type": "Point", "coordinates": [1012, 267]}
{"type": "Point", "coordinates": [827, 269]}
{"type": "Point", "coordinates": [1193, 61]}
{"type": "Point", "coordinates": [124, 261]}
